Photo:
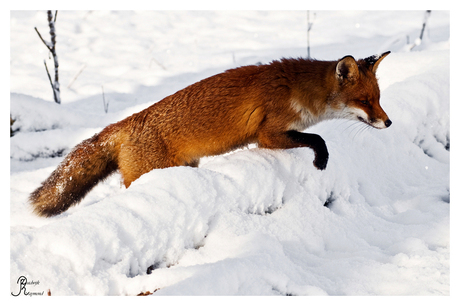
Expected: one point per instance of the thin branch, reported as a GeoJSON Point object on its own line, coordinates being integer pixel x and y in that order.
{"type": "Point", "coordinates": [51, 82]}
{"type": "Point", "coordinates": [156, 62]}
{"type": "Point", "coordinates": [76, 75]}
{"type": "Point", "coordinates": [53, 51]}
{"type": "Point", "coordinates": [309, 26]}
{"type": "Point", "coordinates": [52, 29]}
{"type": "Point", "coordinates": [427, 14]}
{"type": "Point", "coordinates": [106, 105]}
{"type": "Point", "coordinates": [52, 48]}
{"type": "Point", "coordinates": [418, 41]}
{"type": "Point", "coordinates": [47, 44]}
{"type": "Point", "coordinates": [47, 72]}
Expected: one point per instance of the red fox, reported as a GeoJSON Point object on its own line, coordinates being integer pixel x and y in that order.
{"type": "Point", "coordinates": [264, 104]}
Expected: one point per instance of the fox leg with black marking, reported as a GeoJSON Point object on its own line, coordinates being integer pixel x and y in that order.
{"type": "Point", "coordinates": [314, 142]}
{"type": "Point", "coordinates": [293, 139]}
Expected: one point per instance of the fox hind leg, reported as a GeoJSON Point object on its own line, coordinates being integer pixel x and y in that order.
{"type": "Point", "coordinates": [194, 163]}
{"type": "Point", "coordinates": [134, 162]}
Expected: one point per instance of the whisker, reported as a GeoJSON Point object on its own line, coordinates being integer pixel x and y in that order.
{"type": "Point", "coordinates": [368, 128]}
{"type": "Point", "coordinates": [341, 122]}
{"type": "Point", "coordinates": [356, 132]}
{"type": "Point", "coordinates": [349, 130]}
{"type": "Point", "coordinates": [356, 127]}
{"type": "Point", "coordinates": [352, 125]}
{"type": "Point", "coordinates": [362, 129]}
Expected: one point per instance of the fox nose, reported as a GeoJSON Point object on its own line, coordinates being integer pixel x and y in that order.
{"type": "Point", "coordinates": [388, 123]}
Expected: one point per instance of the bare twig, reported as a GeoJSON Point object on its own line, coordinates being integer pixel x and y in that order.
{"type": "Point", "coordinates": [157, 62]}
{"type": "Point", "coordinates": [47, 44]}
{"type": "Point", "coordinates": [52, 48]}
{"type": "Point", "coordinates": [76, 75]}
{"type": "Point", "coordinates": [106, 105]}
{"type": "Point", "coordinates": [309, 26]}
{"type": "Point", "coordinates": [418, 41]}
{"type": "Point", "coordinates": [53, 51]}
{"type": "Point", "coordinates": [427, 14]}
{"type": "Point", "coordinates": [49, 78]}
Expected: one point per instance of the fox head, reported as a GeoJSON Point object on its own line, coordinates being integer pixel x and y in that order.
{"type": "Point", "coordinates": [357, 95]}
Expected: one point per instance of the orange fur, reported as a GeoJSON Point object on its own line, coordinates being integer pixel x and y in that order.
{"type": "Point", "coordinates": [266, 104]}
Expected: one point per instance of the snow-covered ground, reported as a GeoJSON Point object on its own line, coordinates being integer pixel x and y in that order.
{"type": "Point", "coordinates": [252, 222]}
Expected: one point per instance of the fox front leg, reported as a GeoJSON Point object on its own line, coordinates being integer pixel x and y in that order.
{"type": "Point", "coordinates": [293, 139]}
{"type": "Point", "coordinates": [316, 143]}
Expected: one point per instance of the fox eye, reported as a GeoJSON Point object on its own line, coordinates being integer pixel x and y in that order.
{"type": "Point", "coordinates": [365, 102]}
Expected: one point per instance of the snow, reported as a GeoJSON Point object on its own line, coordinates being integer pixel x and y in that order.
{"type": "Point", "coordinates": [253, 221]}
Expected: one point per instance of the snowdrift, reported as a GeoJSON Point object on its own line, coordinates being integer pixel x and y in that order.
{"type": "Point", "coordinates": [254, 221]}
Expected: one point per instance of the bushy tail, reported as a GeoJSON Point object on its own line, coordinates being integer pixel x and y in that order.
{"type": "Point", "coordinates": [89, 162]}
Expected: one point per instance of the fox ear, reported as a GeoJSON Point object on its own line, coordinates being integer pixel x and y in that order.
{"type": "Point", "coordinates": [373, 62]}
{"type": "Point", "coordinates": [347, 69]}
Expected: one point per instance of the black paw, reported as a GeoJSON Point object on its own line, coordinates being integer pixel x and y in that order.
{"type": "Point", "coordinates": [320, 162]}
{"type": "Point", "coordinates": [321, 155]}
